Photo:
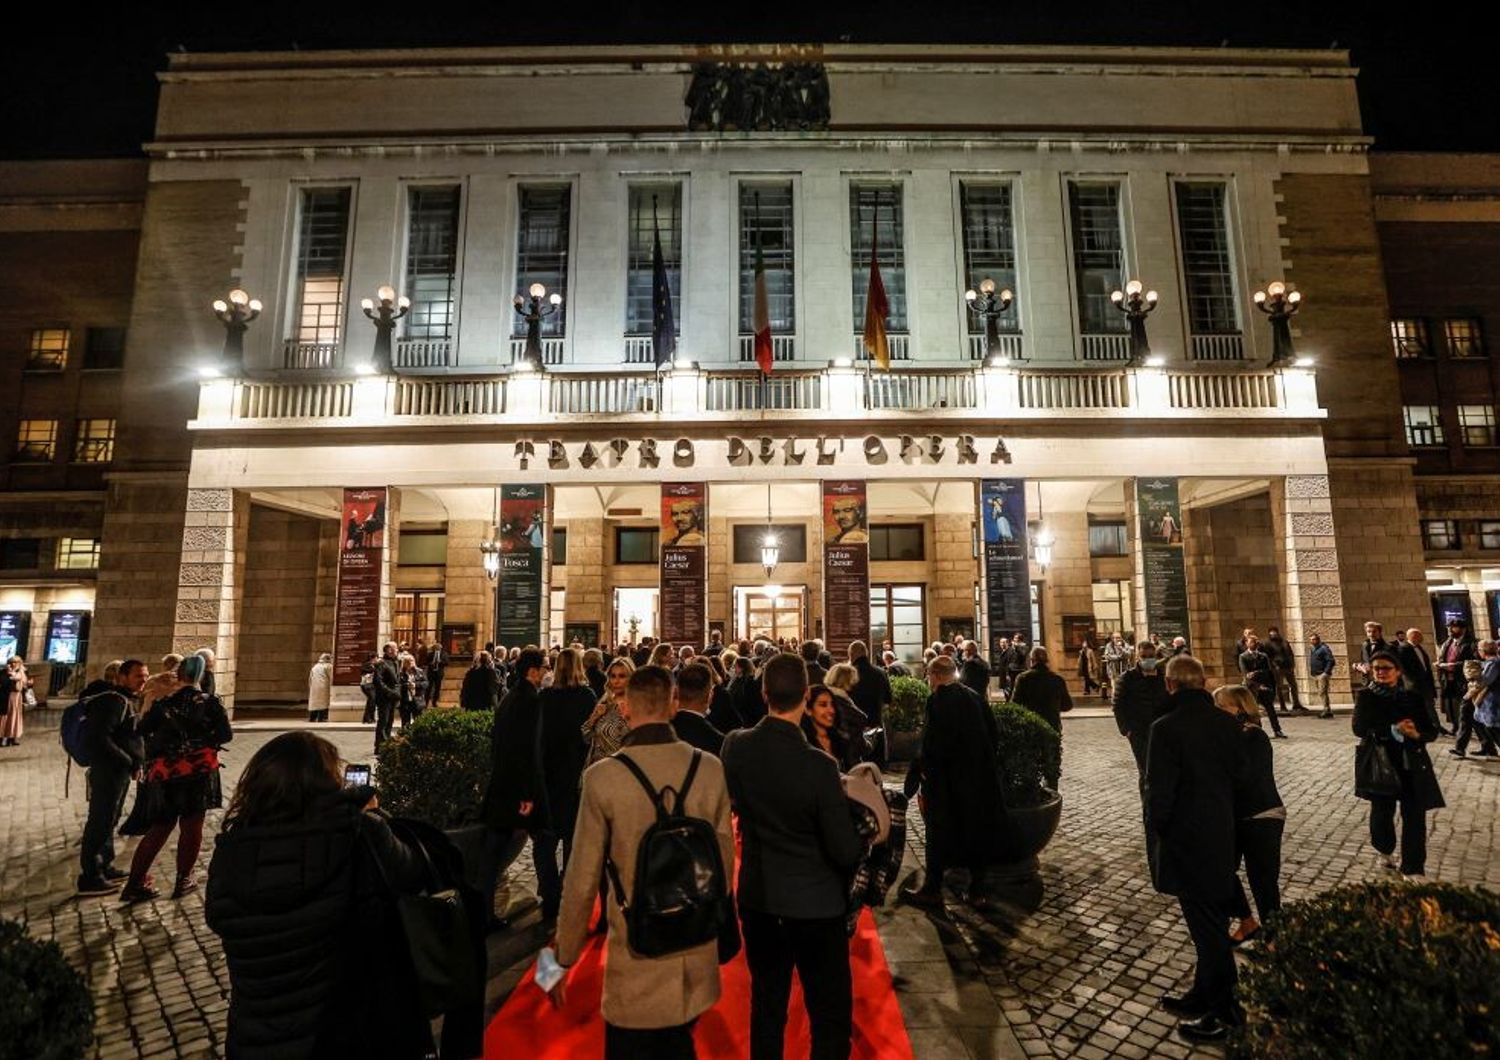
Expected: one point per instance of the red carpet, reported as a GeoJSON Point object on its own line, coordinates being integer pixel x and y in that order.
{"type": "Point", "coordinates": [528, 1026]}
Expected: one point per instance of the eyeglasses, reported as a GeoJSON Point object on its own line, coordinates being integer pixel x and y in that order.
{"type": "Point", "coordinates": [1383, 669]}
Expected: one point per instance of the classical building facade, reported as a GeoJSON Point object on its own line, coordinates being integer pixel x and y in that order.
{"type": "Point", "coordinates": [462, 178]}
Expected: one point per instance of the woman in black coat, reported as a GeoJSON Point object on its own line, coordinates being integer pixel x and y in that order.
{"type": "Point", "coordinates": [481, 687]}
{"type": "Point", "coordinates": [1402, 727]}
{"type": "Point", "coordinates": [564, 707]}
{"type": "Point", "coordinates": [745, 694]}
{"type": "Point", "coordinates": [1260, 815]}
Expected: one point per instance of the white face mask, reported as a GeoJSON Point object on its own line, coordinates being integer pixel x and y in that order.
{"type": "Point", "coordinates": [1149, 665]}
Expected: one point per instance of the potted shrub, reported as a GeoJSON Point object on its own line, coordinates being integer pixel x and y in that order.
{"type": "Point", "coordinates": [1377, 969]}
{"type": "Point", "coordinates": [47, 1011]}
{"type": "Point", "coordinates": [436, 771]}
{"type": "Point", "coordinates": [903, 718]}
{"type": "Point", "coordinates": [1029, 756]}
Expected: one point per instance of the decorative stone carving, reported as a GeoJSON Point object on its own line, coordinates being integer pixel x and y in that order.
{"type": "Point", "coordinates": [1307, 486]}
{"type": "Point", "coordinates": [1312, 524]}
{"type": "Point", "coordinates": [201, 611]}
{"type": "Point", "coordinates": [205, 538]}
{"type": "Point", "coordinates": [210, 500]}
{"type": "Point", "coordinates": [201, 574]}
{"type": "Point", "coordinates": [1320, 595]}
{"type": "Point", "coordinates": [1317, 559]}
{"type": "Point", "coordinates": [733, 97]}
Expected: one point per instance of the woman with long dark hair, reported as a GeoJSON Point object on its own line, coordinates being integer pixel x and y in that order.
{"type": "Point", "coordinates": [1399, 723]}
{"type": "Point", "coordinates": [183, 734]}
{"type": "Point", "coordinates": [564, 706]}
{"type": "Point", "coordinates": [825, 727]}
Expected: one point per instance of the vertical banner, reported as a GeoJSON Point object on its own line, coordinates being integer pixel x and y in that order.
{"type": "Point", "coordinates": [846, 566]}
{"type": "Point", "coordinates": [523, 569]}
{"type": "Point", "coordinates": [356, 624]}
{"type": "Point", "coordinates": [1007, 561]}
{"type": "Point", "coordinates": [1164, 574]}
{"type": "Point", "coordinates": [684, 566]}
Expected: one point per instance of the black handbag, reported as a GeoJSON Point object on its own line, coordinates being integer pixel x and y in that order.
{"type": "Point", "coordinates": [1424, 782]}
{"type": "Point", "coordinates": [1375, 776]}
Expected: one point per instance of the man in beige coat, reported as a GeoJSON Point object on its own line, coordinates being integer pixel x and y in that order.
{"type": "Point", "coordinates": [650, 1004]}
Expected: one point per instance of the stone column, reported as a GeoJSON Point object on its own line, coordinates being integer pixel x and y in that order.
{"type": "Point", "coordinates": [468, 593]}
{"type": "Point", "coordinates": [1200, 558]}
{"type": "Point", "coordinates": [1307, 562]}
{"type": "Point", "coordinates": [587, 600]}
{"type": "Point", "coordinates": [1137, 563]}
{"type": "Point", "coordinates": [955, 571]}
{"type": "Point", "coordinates": [210, 581]}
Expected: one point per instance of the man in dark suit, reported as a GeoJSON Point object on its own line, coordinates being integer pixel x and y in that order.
{"type": "Point", "coordinates": [1194, 764]}
{"type": "Point", "coordinates": [975, 672]}
{"type": "Point", "coordinates": [387, 692]}
{"type": "Point", "coordinates": [1140, 698]}
{"type": "Point", "coordinates": [1416, 670]}
{"type": "Point", "coordinates": [815, 671]}
{"type": "Point", "coordinates": [513, 803]}
{"type": "Point", "coordinates": [1458, 649]}
{"type": "Point", "coordinates": [1042, 691]}
{"type": "Point", "coordinates": [799, 847]}
{"type": "Point", "coordinates": [695, 684]}
{"type": "Point", "coordinates": [872, 693]}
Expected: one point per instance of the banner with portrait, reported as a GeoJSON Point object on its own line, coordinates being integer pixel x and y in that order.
{"type": "Point", "coordinates": [523, 535]}
{"type": "Point", "coordinates": [684, 563]}
{"type": "Point", "coordinates": [1007, 560]}
{"type": "Point", "coordinates": [1164, 572]}
{"type": "Point", "coordinates": [356, 623]}
{"type": "Point", "coordinates": [846, 566]}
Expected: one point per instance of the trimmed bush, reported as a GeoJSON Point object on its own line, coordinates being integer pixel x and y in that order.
{"type": "Point", "coordinates": [46, 1010]}
{"type": "Point", "coordinates": [437, 770]}
{"type": "Point", "coordinates": [1029, 753]}
{"type": "Point", "coordinates": [1377, 970]}
{"type": "Point", "coordinates": [907, 710]}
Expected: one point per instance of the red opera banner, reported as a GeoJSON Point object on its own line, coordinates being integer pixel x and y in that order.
{"type": "Point", "coordinates": [356, 625]}
{"type": "Point", "coordinates": [846, 565]}
{"type": "Point", "coordinates": [684, 544]}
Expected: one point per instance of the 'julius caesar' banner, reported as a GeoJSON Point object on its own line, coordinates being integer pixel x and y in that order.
{"type": "Point", "coordinates": [523, 537]}
{"type": "Point", "coordinates": [846, 566]}
{"type": "Point", "coordinates": [1007, 566]}
{"type": "Point", "coordinates": [1160, 526]}
{"type": "Point", "coordinates": [684, 541]}
{"type": "Point", "coordinates": [356, 624]}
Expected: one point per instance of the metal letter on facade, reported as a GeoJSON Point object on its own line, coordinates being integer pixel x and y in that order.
{"type": "Point", "coordinates": [846, 565]}
{"type": "Point", "coordinates": [1007, 560]}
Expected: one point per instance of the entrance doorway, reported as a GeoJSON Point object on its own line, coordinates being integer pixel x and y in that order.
{"type": "Point", "coordinates": [635, 614]}
{"type": "Point", "coordinates": [770, 615]}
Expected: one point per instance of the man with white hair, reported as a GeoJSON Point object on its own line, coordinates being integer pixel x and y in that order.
{"type": "Point", "coordinates": [209, 661]}
{"type": "Point", "coordinates": [974, 671]}
{"type": "Point", "coordinates": [1482, 692]}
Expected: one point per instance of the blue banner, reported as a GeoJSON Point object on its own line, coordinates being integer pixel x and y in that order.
{"type": "Point", "coordinates": [1007, 562]}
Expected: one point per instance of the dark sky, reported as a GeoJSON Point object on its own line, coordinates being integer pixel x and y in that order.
{"type": "Point", "coordinates": [81, 86]}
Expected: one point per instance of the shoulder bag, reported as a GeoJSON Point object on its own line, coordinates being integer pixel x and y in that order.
{"type": "Point", "coordinates": [1375, 777]}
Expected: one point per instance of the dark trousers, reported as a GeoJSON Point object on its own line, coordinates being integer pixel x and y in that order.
{"type": "Point", "coordinates": [501, 847]}
{"type": "Point", "coordinates": [548, 879]}
{"type": "Point", "coordinates": [658, 1043]}
{"type": "Point", "coordinates": [107, 788]}
{"type": "Point", "coordinates": [369, 706]}
{"type": "Point", "coordinates": [1413, 832]}
{"type": "Point", "coordinates": [1267, 700]}
{"type": "Point", "coordinates": [1259, 842]}
{"type": "Point", "coordinates": [1468, 728]}
{"type": "Point", "coordinates": [434, 687]}
{"type": "Point", "coordinates": [1214, 977]}
{"type": "Point", "coordinates": [819, 950]}
{"type": "Point", "coordinates": [1286, 681]}
{"type": "Point", "coordinates": [1452, 696]}
{"type": "Point", "coordinates": [384, 715]}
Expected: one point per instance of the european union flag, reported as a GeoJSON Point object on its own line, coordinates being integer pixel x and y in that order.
{"type": "Point", "coordinates": [663, 326]}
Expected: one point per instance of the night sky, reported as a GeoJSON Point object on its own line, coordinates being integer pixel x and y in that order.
{"type": "Point", "coordinates": [79, 87]}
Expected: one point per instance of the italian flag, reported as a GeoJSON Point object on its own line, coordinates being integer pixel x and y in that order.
{"type": "Point", "coordinates": [762, 317]}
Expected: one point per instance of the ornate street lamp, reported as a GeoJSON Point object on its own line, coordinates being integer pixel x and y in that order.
{"type": "Point", "coordinates": [236, 315]}
{"type": "Point", "coordinates": [987, 306]}
{"type": "Point", "coordinates": [533, 311]}
{"type": "Point", "coordinates": [1280, 305]}
{"type": "Point", "coordinates": [1043, 540]}
{"type": "Point", "coordinates": [770, 544]}
{"type": "Point", "coordinates": [1136, 306]}
{"type": "Point", "coordinates": [384, 317]}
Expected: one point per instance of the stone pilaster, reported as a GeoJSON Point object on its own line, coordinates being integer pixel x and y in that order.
{"type": "Point", "coordinates": [954, 571]}
{"type": "Point", "coordinates": [587, 600]}
{"type": "Point", "coordinates": [1204, 618]}
{"type": "Point", "coordinates": [468, 593]}
{"type": "Point", "coordinates": [1137, 563]}
{"type": "Point", "coordinates": [210, 580]}
{"type": "Point", "coordinates": [1307, 562]}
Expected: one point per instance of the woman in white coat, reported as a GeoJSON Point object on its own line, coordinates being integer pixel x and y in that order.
{"type": "Point", "coordinates": [320, 688]}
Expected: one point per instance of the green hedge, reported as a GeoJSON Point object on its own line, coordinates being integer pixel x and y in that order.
{"type": "Point", "coordinates": [46, 1010]}
{"type": "Point", "coordinates": [1030, 755]}
{"type": "Point", "coordinates": [907, 710]}
{"type": "Point", "coordinates": [1383, 969]}
{"type": "Point", "coordinates": [437, 769]}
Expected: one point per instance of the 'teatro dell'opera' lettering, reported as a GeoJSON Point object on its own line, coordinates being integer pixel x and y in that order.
{"type": "Point", "coordinates": [761, 451]}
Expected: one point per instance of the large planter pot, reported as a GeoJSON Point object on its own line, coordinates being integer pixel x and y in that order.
{"type": "Point", "coordinates": [1028, 830]}
{"type": "Point", "coordinates": [902, 746]}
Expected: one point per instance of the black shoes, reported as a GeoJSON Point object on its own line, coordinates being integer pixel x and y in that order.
{"type": "Point", "coordinates": [1183, 1005]}
{"type": "Point", "coordinates": [1206, 1028]}
{"type": "Point", "coordinates": [96, 886]}
{"type": "Point", "coordinates": [1456, 753]}
{"type": "Point", "coordinates": [114, 875]}
{"type": "Point", "coordinates": [923, 897]}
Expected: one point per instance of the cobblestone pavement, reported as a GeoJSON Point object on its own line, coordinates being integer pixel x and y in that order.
{"type": "Point", "coordinates": [1074, 969]}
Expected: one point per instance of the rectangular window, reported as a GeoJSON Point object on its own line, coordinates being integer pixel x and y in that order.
{"type": "Point", "coordinates": [422, 548]}
{"type": "Point", "coordinates": [1464, 337]}
{"type": "Point", "coordinates": [417, 618]}
{"type": "Point", "coordinates": [1207, 266]}
{"type": "Point", "coordinates": [989, 235]}
{"type": "Point", "coordinates": [1476, 423]}
{"type": "Point", "coordinates": [48, 350]}
{"type": "Point", "coordinates": [20, 553]}
{"type": "Point", "coordinates": [36, 441]}
{"type": "Point", "coordinates": [104, 348]}
{"type": "Point", "coordinates": [766, 221]}
{"type": "Point", "coordinates": [898, 615]}
{"type": "Point", "coordinates": [637, 544]}
{"type": "Point", "coordinates": [1440, 535]}
{"type": "Point", "coordinates": [875, 220]}
{"type": "Point", "coordinates": [78, 553]}
{"type": "Point", "coordinates": [1107, 539]}
{"type": "Point", "coordinates": [654, 209]}
{"type": "Point", "coordinates": [542, 249]}
{"type": "Point", "coordinates": [1098, 234]}
{"type": "Point", "coordinates": [897, 541]}
{"type": "Point", "coordinates": [322, 245]}
{"type": "Point", "coordinates": [431, 260]}
{"type": "Point", "coordinates": [1112, 611]}
{"type": "Point", "coordinates": [559, 546]}
{"type": "Point", "coordinates": [94, 441]}
{"type": "Point", "coordinates": [1409, 338]}
{"type": "Point", "coordinates": [791, 539]}
{"type": "Point", "coordinates": [1489, 533]}
{"type": "Point", "coordinates": [1423, 424]}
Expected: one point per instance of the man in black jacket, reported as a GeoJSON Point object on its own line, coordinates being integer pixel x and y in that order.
{"type": "Point", "coordinates": [1040, 690]}
{"type": "Point", "coordinates": [1195, 763]}
{"type": "Point", "coordinates": [1284, 670]}
{"type": "Point", "coordinates": [799, 849]}
{"type": "Point", "coordinates": [513, 803]}
{"type": "Point", "coordinates": [1140, 698]}
{"type": "Point", "coordinates": [815, 671]}
{"type": "Point", "coordinates": [114, 753]}
{"type": "Point", "coordinates": [975, 672]}
{"type": "Point", "coordinates": [387, 692]}
{"type": "Point", "coordinates": [1260, 678]}
{"type": "Point", "coordinates": [872, 692]}
{"type": "Point", "coordinates": [1458, 649]}
{"type": "Point", "coordinates": [695, 684]}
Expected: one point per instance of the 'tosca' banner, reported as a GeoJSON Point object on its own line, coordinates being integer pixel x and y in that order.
{"type": "Point", "coordinates": [523, 567]}
{"type": "Point", "coordinates": [684, 544]}
{"type": "Point", "coordinates": [1007, 563]}
{"type": "Point", "coordinates": [846, 565]}
{"type": "Point", "coordinates": [356, 624]}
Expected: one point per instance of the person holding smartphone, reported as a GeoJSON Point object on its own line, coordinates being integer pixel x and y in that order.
{"type": "Point", "coordinates": [1402, 726]}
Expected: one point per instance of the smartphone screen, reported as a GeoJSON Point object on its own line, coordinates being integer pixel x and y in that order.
{"type": "Point", "coordinates": [356, 776]}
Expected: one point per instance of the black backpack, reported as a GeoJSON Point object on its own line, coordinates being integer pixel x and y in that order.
{"type": "Point", "coordinates": [681, 895]}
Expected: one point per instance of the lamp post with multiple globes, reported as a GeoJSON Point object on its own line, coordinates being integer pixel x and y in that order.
{"type": "Point", "coordinates": [235, 314]}
{"type": "Point", "coordinates": [1280, 305]}
{"type": "Point", "coordinates": [533, 311]}
{"type": "Point", "coordinates": [1136, 303]}
{"type": "Point", "coordinates": [987, 306]}
{"type": "Point", "coordinates": [384, 314]}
